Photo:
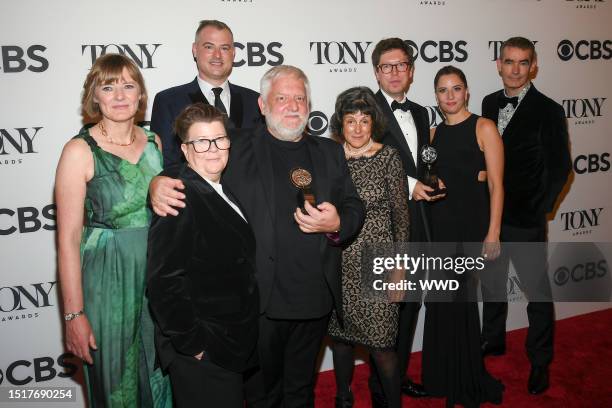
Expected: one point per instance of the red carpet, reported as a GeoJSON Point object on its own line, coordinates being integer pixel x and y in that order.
{"type": "Point", "coordinates": [580, 375]}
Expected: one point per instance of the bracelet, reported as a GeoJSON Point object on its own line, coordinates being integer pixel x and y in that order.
{"type": "Point", "coordinates": [72, 316]}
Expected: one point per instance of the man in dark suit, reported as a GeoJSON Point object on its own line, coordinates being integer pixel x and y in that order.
{"type": "Point", "coordinates": [213, 51]}
{"type": "Point", "coordinates": [298, 250]}
{"type": "Point", "coordinates": [537, 164]}
{"type": "Point", "coordinates": [407, 130]}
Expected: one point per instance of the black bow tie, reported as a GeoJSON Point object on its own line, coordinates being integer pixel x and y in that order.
{"type": "Point", "coordinates": [504, 101]}
{"type": "Point", "coordinates": [396, 105]}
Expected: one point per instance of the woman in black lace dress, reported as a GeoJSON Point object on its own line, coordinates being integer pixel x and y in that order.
{"type": "Point", "coordinates": [381, 183]}
{"type": "Point", "coordinates": [470, 162]}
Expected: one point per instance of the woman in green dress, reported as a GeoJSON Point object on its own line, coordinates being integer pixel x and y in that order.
{"type": "Point", "coordinates": [100, 190]}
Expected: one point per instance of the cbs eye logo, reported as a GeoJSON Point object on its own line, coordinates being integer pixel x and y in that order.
{"type": "Point", "coordinates": [585, 50]}
{"type": "Point", "coordinates": [317, 123]}
{"type": "Point", "coordinates": [565, 50]}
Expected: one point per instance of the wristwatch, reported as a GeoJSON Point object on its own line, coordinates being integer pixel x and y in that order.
{"type": "Point", "coordinates": [72, 316]}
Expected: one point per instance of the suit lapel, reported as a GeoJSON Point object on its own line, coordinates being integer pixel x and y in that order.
{"type": "Point", "coordinates": [319, 170]}
{"type": "Point", "coordinates": [263, 157]}
{"type": "Point", "coordinates": [236, 107]}
{"type": "Point", "coordinates": [422, 129]}
{"type": "Point", "coordinates": [195, 93]}
{"type": "Point", "coordinates": [493, 108]}
{"type": "Point", "coordinates": [522, 110]}
{"type": "Point", "coordinates": [219, 206]}
{"type": "Point", "coordinates": [394, 129]}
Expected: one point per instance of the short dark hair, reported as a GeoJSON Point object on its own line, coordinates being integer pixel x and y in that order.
{"type": "Point", "coordinates": [353, 100]}
{"type": "Point", "coordinates": [219, 25]}
{"type": "Point", "coordinates": [520, 43]}
{"type": "Point", "coordinates": [197, 112]}
{"type": "Point", "coordinates": [450, 70]}
{"type": "Point", "coordinates": [108, 69]}
{"type": "Point", "coordinates": [389, 44]}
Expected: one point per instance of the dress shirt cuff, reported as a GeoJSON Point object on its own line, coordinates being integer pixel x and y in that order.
{"type": "Point", "coordinates": [411, 183]}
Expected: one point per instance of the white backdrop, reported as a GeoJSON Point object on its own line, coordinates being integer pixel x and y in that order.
{"type": "Point", "coordinates": [48, 47]}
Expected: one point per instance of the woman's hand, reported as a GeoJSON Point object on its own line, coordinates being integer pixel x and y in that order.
{"type": "Point", "coordinates": [491, 248]}
{"type": "Point", "coordinates": [80, 338]}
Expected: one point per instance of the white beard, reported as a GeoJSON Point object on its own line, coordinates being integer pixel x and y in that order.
{"type": "Point", "coordinates": [283, 133]}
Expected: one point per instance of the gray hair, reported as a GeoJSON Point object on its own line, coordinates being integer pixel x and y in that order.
{"type": "Point", "coordinates": [280, 71]}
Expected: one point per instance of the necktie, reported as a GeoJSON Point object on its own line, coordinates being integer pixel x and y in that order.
{"type": "Point", "coordinates": [396, 105]}
{"type": "Point", "coordinates": [218, 103]}
{"type": "Point", "coordinates": [504, 101]}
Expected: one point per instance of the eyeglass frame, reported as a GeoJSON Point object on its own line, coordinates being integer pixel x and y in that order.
{"type": "Point", "coordinates": [396, 66]}
{"type": "Point", "coordinates": [210, 143]}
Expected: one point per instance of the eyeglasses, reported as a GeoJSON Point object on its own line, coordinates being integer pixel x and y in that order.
{"type": "Point", "coordinates": [400, 67]}
{"type": "Point", "coordinates": [203, 145]}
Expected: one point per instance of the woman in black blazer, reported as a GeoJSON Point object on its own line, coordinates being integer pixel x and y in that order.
{"type": "Point", "coordinates": [201, 274]}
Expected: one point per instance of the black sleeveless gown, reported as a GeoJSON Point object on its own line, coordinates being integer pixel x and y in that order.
{"type": "Point", "coordinates": [453, 366]}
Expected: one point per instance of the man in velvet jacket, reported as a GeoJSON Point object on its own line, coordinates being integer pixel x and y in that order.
{"type": "Point", "coordinates": [213, 51]}
{"type": "Point", "coordinates": [407, 129]}
{"type": "Point", "coordinates": [298, 250]}
{"type": "Point", "coordinates": [537, 164]}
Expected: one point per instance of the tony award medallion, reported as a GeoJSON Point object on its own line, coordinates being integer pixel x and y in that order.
{"type": "Point", "coordinates": [302, 179]}
{"type": "Point", "coordinates": [429, 155]}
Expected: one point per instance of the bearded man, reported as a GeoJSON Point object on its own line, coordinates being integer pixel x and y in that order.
{"type": "Point", "coordinates": [298, 244]}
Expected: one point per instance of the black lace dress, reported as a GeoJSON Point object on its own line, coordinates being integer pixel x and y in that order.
{"type": "Point", "coordinates": [382, 185]}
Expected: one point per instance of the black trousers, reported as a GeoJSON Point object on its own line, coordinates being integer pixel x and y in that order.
{"type": "Point", "coordinates": [288, 351]}
{"type": "Point", "coordinates": [201, 383]}
{"type": "Point", "coordinates": [530, 264]}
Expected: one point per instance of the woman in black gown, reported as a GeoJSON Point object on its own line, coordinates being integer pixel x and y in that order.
{"type": "Point", "coordinates": [470, 163]}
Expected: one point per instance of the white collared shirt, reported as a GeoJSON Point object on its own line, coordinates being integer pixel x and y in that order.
{"type": "Point", "coordinates": [219, 189]}
{"type": "Point", "coordinates": [206, 89]}
{"type": "Point", "coordinates": [406, 123]}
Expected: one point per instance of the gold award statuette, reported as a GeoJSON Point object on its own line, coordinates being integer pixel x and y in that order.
{"type": "Point", "coordinates": [302, 179]}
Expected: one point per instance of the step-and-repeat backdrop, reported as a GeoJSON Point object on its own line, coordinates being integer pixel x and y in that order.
{"type": "Point", "coordinates": [47, 48]}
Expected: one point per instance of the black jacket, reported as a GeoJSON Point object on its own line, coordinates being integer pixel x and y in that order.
{"type": "Point", "coordinates": [249, 174]}
{"type": "Point", "coordinates": [168, 104]}
{"type": "Point", "coordinates": [537, 157]}
{"type": "Point", "coordinates": [393, 136]}
{"type": "Point", "coordinates": [201, 279]}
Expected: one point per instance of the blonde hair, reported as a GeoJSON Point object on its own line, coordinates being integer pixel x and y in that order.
{"type": "Point", "coordinates": [108, 69]}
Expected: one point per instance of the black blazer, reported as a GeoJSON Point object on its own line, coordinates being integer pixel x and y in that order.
{"type": "Point", "coordinates": [537, 157]}
{"type": "Point", "coordinates": [393, 136]}
{"type": "Point", "coordinates": [201, 280]}
{"type": "Point", "coordinates": [168, 104]}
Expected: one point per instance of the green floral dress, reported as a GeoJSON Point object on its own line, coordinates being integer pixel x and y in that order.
{"type": "Point", "coordinates": [113, 263]}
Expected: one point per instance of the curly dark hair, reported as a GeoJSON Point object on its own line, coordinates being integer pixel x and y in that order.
{"type": "Point", "coordinates": [357, 99]}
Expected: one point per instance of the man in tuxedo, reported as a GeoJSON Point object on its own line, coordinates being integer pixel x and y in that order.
{"type": "Point", "coordinates": [213, 51]}
{"type": "Point", "coordinates": [298, 253]}
{"type": "Point", "coordinates": [407, 130]}
{"type": "Point", "coordinates": [537, 164]}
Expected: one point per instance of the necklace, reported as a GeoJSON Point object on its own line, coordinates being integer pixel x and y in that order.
{"type": "Point", "coordinates": [110, 139]}
{"type": "Point", "coordinates": [357, 152]}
